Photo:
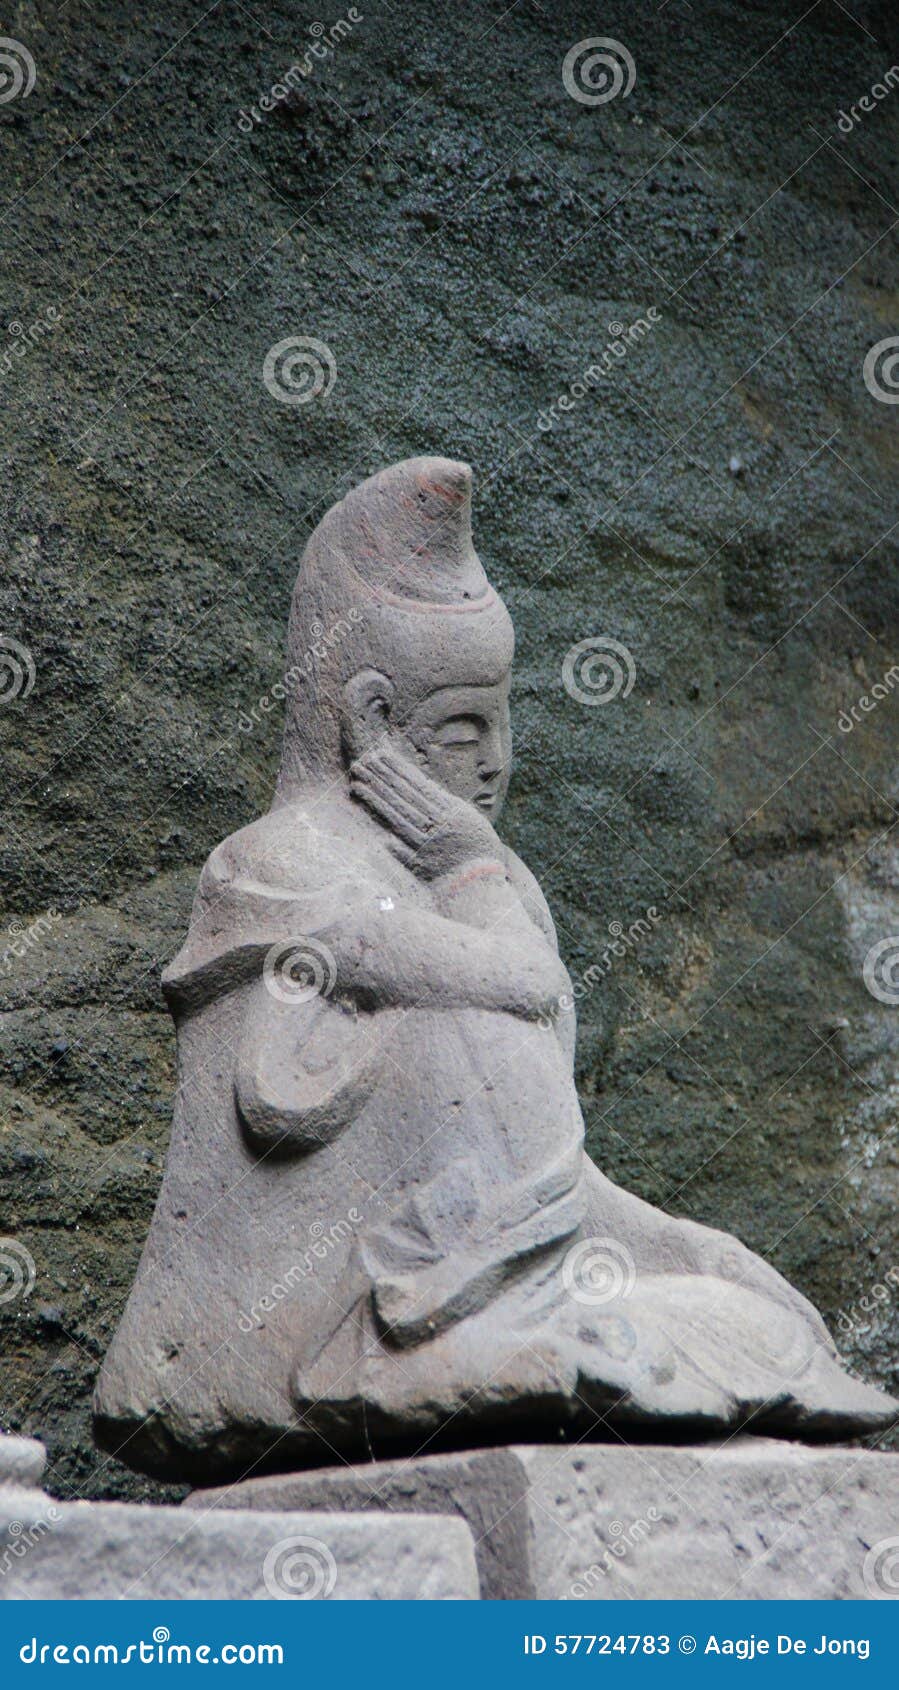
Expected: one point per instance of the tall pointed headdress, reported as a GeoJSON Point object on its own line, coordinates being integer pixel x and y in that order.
{"type": "Point", "coordinates": [389, 580]}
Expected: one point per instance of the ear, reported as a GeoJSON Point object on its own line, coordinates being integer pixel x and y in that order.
{"type": "Point", "coordinates": [367, 701]}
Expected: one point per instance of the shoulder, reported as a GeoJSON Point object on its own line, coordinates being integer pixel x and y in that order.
{"type": "Point", "coordinates": [298, 848]}
{"type": "Point", "coordinates": [293, 871]}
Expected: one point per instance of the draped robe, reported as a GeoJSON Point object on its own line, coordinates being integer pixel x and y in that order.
{"type": "Point", "coordinates": [366, 1232]}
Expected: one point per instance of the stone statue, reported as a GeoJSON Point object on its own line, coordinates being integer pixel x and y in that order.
{"type": "Point", "coordinates": [378, 1229]}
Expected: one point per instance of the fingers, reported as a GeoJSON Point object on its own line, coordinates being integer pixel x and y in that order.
{"type": "Point", "coordinates": [380, 788]}
{"type": "Point", "coordinates": [406, 776]}
{"type": "Point", "coordinates": [393, 777]}
{"type": "Point", "coordinates": [386, 759]}
{"type": "Point", "coordinates": [398, 824]}
{"type": "Point", "coordinates": [407, 854]}
{"type": "Point", "coordinates": [389, 806]}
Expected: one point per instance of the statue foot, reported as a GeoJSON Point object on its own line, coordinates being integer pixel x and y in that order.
{"type": "Point", "coordinates": [697, 1349]}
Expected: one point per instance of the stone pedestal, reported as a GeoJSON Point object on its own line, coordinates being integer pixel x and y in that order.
{"type": "Point", "coordinates": [746, 1518]}
{"type": "Point", "coordinates": [22, 1460]}
{"type": "Point", "coordinates": [102, 1550]}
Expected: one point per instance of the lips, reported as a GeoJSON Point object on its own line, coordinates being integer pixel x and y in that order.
{"type": "Point", "coordinates": [485, 800]}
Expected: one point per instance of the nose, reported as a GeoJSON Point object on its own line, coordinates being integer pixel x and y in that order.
{"type": "Point", "coordinates": [491, 761]}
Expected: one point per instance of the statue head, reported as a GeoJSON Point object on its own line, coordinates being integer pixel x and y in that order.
{"type": "Point", "coordinates": [394, 628]}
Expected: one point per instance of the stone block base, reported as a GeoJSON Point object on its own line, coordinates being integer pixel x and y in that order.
{"type": "Point", "coordinates": [101, 1550]}
{"type": "Point", "coordinates": [22, 1460]}
{"type": "Point", "coordinates": [750, 1517]}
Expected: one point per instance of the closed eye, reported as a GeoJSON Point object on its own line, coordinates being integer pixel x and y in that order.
{"type": "Point", "coordinates": [460, 732]}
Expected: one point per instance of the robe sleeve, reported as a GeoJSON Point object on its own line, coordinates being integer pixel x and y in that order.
{"type": "Point", "coordinates": [305, 1060]}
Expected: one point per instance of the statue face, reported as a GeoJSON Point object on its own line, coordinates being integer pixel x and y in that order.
{"type": "Point", "coordinates": [463, 737]}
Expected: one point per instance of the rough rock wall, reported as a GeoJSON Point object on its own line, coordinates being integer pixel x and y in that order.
{"type": "Point", "coordinates": [467, 238]}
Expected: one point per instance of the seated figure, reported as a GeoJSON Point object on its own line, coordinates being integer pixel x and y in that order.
{"type": "Point", "coordinates": [378, 1229]}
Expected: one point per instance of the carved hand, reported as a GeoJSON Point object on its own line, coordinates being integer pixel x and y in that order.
{"type": "Point", "coordinates": [433, 831]}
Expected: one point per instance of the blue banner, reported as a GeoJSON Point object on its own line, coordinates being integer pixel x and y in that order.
{"type": "Point", "coordinates": [432, 1645]}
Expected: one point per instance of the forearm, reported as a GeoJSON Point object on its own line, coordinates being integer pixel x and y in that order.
{"type": "Point", "coordinates": [481, 894]}
{"type": "Point", "coordinates": [411, 958]}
